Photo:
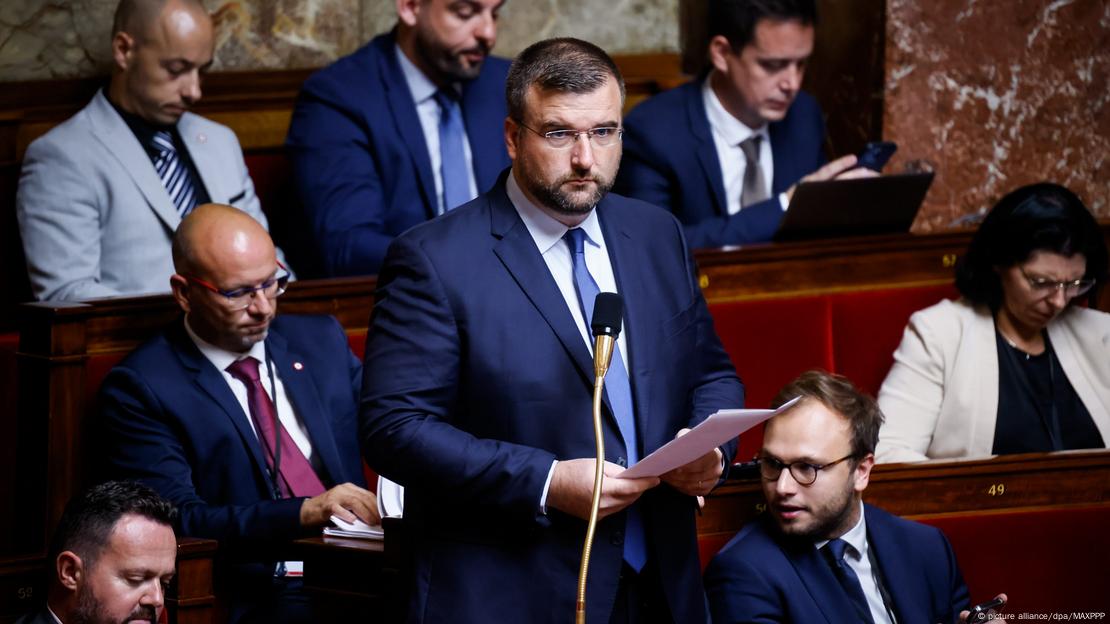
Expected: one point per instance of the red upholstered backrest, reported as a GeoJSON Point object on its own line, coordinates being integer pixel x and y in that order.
{"type": "Point", "coordinates": [357, 340]}
{"type": "Point", "coordinates": [272, 174]}
{"type": "Point", "coordinates": [867, 328]}
{"type": "Point", "coordinates": [771, 342]}
{"type": "Point", "coordinates": [97, 368]}
{"type": "Point", "coordinates": [1045, 560]}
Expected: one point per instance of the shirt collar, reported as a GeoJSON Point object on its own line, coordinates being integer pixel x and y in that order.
{"type": "Point", "coordinates": [53, 615]}
{"type": "Point", "coordinates": [545, 230]}
{"type": "Point", "coordinates": [856, 536]}
{"type": "Point", "coordinates": [729, 128]}
{"type": "Point", "coordinates": [222, 358]}
{"type": "Point", "coordinates": [419, 85]}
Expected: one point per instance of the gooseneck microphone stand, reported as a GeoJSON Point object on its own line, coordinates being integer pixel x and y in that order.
{"type": "Point", "coordinates": [606, 326]}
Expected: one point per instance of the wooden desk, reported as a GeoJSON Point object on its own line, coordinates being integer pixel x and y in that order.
{"type": "Point", "coordinates": [924, 489]}
{"type": "Point", "coordinates": [346, 575]}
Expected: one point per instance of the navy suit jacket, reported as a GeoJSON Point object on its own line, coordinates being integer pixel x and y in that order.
{"type": "Point", "coordinates": [361, 163]}
{"type": "Point", "coordinates": [170, 420]}
{"type": "Point", "coordinates": [480, 380]}
{"type": "Point", "coordinates": [762, 577]}
{"type": "Point", "coordinates": [670, 160]}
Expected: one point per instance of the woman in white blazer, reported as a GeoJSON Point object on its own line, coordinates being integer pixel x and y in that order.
{"type": "Point", "coordinates": [1013, 366]}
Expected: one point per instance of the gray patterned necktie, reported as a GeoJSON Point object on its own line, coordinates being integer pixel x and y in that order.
{"type": "Point", "coordinates": [755, 187]}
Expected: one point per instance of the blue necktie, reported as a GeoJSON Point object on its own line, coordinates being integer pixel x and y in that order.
{"type": "Point", "coordinates": [174, 174]}
{"type": "Point", "coordinates": [452, 158]}
{"type": "Point", "coordinates": [834, 555]}
{"type": "Point", "coordinates": [619, 392]}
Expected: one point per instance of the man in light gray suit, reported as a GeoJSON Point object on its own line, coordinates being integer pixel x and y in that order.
{"type": "Point", "coordinates": [101, 194]}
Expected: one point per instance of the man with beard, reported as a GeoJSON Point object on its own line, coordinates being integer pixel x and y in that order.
{"type": "Point", "coordinates": [406, 128]}
{"type": "Point", "coordinates": [479, 375]}
{"type": "Point", "coordinates": [246, 422]}
{"type": "Point", "coordinates": [819, 554]}
{"type": "Point", "coordinates": [113, 554]}
{"type": "Point", "coordinates": [101, 194]}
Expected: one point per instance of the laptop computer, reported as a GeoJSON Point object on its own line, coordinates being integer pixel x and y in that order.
{"type": "Point", "coordinates": [835, 208]}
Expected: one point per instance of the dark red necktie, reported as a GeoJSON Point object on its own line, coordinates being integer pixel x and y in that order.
{"type": "Point", "coordinates": [297, 476]}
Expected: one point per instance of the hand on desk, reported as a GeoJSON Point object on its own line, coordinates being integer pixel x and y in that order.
{"type": "Point", "coordinates": [698, 477]}
{"type": "Point", "coordinates": [839, 169]}
{"type": "Point", "coordinates": [346, 501]}
{"type": "Point", "coordinates": [572, 486]}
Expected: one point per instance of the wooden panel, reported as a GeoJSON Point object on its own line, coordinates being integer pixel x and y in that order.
{"type": "Point", "coordinates": [942, 487]}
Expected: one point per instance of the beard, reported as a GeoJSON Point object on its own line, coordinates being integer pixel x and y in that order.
{"type": "Point", "coordinates": [829, 520]}
{"type": "Point", "coordinates": [555, 197]}
{"type": "Point", "coordinates": [449, 65]}
{"type": "Point", "coordinates": [87, 610]}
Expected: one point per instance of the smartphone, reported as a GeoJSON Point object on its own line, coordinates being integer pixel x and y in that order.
{"type": "Point", "coordinates": [981, 612]}
{"type": "Point", "coordinates": [875, 154]}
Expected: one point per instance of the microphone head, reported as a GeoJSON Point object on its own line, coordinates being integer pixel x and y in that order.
{"type": "Point", "coordinates": [608, 308]}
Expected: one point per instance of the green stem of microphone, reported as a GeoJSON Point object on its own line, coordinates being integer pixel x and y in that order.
{"type": "Point", "coordinates": [595, 502]}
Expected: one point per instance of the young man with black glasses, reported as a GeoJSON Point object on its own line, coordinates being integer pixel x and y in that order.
{"type": "Point", "coordinates": [819, 554]}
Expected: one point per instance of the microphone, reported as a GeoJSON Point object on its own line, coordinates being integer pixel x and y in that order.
{"type": "Point", "coordinates": [606, 325]}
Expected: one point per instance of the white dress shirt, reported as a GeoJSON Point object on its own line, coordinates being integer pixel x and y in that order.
{"type": "Point", "coordinates": [548, 236]}
{"type": "Point", "coordinates": [728, 133]}
{"type": "Point", "coordinates": [856, 557]}
{"type": "Point", "coordinates": [428, 110]}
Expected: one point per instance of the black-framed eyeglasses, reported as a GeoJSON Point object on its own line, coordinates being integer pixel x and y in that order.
{"type": "Point", "coordinates": [605, 136]}
{"type": "Point", "coordinates": [241, 298]}
{"type": "Point", "coordinates": [804, 473]}
{"type": "Point", "coordinates": [1046, 287]}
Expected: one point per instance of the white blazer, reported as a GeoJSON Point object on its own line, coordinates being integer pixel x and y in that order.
{"type": "Point", "coordinates": [93, 214]}
{"type": "Point", "coordinates": [940, 398]}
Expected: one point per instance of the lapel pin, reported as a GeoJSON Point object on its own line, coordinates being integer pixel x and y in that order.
{"type": "Point", "coordinates": [202, 137]}
{"type": "Point", "coordinates": [298, 366]}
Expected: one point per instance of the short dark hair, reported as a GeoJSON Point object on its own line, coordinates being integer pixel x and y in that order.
{"type": "Point", "coordinates": [736, 20]}
{"type": "Point", "coordinates": [563, 65]}
{"type": "Point", "coordinates": [1038, 217]}
{"type": "Point", "coordinates": [840, 395]}
{"type": "Point", "coordinates": [90, 517]}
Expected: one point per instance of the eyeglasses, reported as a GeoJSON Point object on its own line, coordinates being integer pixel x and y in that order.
{"type": "Point", "coordinates": [804, 473]}
{"type": "Point", "coordinates": [241, 298]}
{"type": "Point", "coordinates": [599, 137]}
{"type": "Point", "coordinates": [1047, 287]}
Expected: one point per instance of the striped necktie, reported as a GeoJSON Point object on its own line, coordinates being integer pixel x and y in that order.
{"type": "Point", "coordinates": [174, 174]}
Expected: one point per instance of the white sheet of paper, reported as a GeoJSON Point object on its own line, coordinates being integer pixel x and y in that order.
{"type": "Point", "coordinates": [358, 529]}
{"type": "Point", "coordinates": [711, 433]}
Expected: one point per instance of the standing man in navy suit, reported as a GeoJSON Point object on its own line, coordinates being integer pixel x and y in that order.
{"type": "Point", "coordinates": [819, 554]}
{"type": "Point", "coordinates": [246, 422]}
{"type": "Point", "coordinates": [406, 128]}
{"type": "Point", "coordinates": [724, 153]}
{"type": "Point", "coordinates": [479, 375]}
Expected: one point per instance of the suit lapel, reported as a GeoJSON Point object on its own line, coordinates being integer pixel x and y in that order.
{"type": "Point", "coordinates": [483, 145]}
{"type": "Point", "coordinates": [517, 251]}
{"type": "Point", "coordinates": [211, 172]}
{"type": "Point", "coordinates": [781, 158]}
{"type": "Point", "coordinates": [302, 393]}
{"type": "Point", "coordinates": [898, 579]}
{"type": "Point", "coordinates": [818, 579]}
{"type": "Point", "coordinates": [110, 129]}
{"type": "Point", "coordinates": [625, 255]}
{"type": "Point", "coordinates": [403, 109]}
{"type": "Point", "coordinates": [705, 148]}
{"type": "Point", "coordinates": [213, 383]}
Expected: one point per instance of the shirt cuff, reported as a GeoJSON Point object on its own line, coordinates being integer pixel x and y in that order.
{"type": "Point", "coordinates": [546, 487]}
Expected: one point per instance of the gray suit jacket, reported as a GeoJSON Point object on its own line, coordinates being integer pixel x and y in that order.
{"type": "Point", "coordinates": [93, 214]}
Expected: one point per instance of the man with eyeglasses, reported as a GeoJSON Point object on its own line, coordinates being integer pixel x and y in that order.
{"type": "Point", "coordinates": [819, 554]}
{"type": "Point", "coordinates": [246, 422]}
{"type": "Point", "coordinates": [479, 375]}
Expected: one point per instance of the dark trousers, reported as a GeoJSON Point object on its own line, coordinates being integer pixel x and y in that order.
{"type": "Point", "coordinates": [640, 597]}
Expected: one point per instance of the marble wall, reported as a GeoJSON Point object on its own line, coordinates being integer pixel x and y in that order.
{"type": "Point", "coordinates": [44, 39]}
{"type": "Point", "coordinates": [997, 94]}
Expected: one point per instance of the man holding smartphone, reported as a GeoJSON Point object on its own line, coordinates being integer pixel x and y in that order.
{"type": "Point", "coordinates": [724, 153]}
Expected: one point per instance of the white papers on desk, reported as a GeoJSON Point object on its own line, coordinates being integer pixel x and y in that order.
{"type": "Point", "coordinates": [711, 433]}
{"type": "Point", "coordinates": [358, 529]}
